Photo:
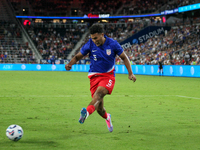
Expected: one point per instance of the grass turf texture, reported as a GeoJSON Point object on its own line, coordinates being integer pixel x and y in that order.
{"type": "Point", "coordinates": [153, 113]}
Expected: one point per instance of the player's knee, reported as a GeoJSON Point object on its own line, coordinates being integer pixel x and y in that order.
{"type": "Point", "coordinates": [100, 93]}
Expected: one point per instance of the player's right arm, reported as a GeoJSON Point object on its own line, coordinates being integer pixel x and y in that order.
{"type": "Point", "coordinates": [76, 58]}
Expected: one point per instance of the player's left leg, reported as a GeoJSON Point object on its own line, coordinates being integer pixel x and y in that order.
{"type": "Point", "coordinates": [107, 83]}
{"type": "Point", "coordinates": [102, 112]}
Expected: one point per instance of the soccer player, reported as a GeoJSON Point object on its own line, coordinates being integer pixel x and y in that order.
{"type": "Point", "coordinates": [102, 52]}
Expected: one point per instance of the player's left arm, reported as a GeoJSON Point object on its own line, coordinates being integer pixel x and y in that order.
{"type": "Point", "coordinates": [124, 57]}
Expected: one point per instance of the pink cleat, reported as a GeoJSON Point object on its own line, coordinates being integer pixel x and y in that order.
{"type": "Point", "coordinates": [109, 123]}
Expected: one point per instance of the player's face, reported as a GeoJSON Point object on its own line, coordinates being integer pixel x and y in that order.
{"type": "Point", "coordinates": [98, 38]}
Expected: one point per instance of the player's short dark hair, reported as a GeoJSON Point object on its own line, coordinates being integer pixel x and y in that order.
{"type": "Point", "coordinates": [96, 28]}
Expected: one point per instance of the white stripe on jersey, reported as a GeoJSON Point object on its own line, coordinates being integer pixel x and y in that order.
{"type": "Point", "coordinates": [93, 73]}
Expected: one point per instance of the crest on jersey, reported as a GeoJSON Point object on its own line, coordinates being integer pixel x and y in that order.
{"type": "Point", "coordinates": [108, 52]}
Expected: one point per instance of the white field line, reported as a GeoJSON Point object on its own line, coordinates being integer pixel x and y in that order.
{"type": "Point", "coordinates": [44, 95]}
{"type": "Point", "coordinates": [55, 96]}
{"type": "Point", "coordinates": [187, 97]}
{"type": "Point", "coordinates": [79, 95]}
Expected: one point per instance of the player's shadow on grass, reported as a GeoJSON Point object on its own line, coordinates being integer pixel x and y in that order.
{"type": "Point", "coordinates": [32, 143]}
{"type": "Point", "coordinates": [40, 142]}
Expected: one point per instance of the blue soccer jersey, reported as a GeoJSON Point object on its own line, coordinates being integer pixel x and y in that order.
{"type": "Point", "coordinates": [102, 57]}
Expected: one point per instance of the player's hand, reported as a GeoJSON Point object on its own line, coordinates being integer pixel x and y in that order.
{"type": "Point", "coordinates": [68, 67]}
{"type": "Point", "coordinates": [132, 77]}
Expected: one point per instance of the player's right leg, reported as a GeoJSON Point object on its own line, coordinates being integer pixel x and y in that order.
{"type": "Point", "coordinates": [83, 115]}
{"type": "Point", "coordinates": [86, 112]}
{"type": "Point", "coordinates": [94, 104]}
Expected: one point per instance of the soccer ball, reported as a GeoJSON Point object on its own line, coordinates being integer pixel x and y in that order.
{"type": "Point", "coordinates": [14, 132]}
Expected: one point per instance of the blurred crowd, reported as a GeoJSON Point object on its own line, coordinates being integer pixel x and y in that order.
{"type": "Point", "coordinates": [179, 46]}
{"type": "Point", "coordinates": [43, 7]}
{"type": "Point", "coordinates": [12, 50]}
{"type": "Point", "coordinates": [56, 43]}
{"type": "Point", "coordinates": [101, 6]}
{"type": "Point", "coordinates": [178, 3]}
{"type": "Point", "coordinates": [143, 7]}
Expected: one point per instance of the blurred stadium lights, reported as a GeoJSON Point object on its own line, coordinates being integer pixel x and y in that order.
{"type": "Point", "coordinates": [96, 17]}
{"type": "Point", "coordinates": [107, 16]}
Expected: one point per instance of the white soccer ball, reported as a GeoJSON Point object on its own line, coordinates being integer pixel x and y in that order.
{"type": "Point", "coordinates": [14, 132]}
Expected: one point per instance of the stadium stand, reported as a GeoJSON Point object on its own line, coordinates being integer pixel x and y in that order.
{"type": "Point", "coordinates": [50, 7]}
{"type": "Point", "coordinates": [13, 50]}
{"type": "Point", "coordinates": [62, 40]}
{"type": "Point", "coordinates": [142, 7]}
{"type": "Point", "coordinates": [55, 41]}
{"type": "Point", "coordinates": [100, 6]}
{"type": "Point", "coordinates": [170, 48]}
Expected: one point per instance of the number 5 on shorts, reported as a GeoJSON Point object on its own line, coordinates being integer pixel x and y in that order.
{"type": "Point", "coordinates": [109, 83]}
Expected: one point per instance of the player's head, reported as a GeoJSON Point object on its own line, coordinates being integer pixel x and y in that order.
{"type": "Point", "coordinates": [97, 34]}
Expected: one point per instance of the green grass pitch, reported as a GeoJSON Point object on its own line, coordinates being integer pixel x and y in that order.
{"type": "Point", "coordinates": [154, 113]}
